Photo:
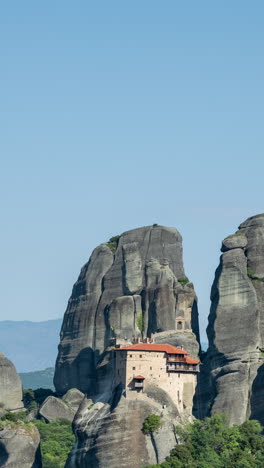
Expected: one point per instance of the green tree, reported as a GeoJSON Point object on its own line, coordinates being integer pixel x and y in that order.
{"type": "Point", "coordinates": [56, 441]}
{"type": "Point", "coordinates": [151, 424]}
{"type": "Point", "coordinates": [211, 443]}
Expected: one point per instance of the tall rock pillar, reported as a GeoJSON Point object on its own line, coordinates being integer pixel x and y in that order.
{"type": "Point", "coordinates": [132, 286]}
{"type": "Point", "coordinates": [233, 369]}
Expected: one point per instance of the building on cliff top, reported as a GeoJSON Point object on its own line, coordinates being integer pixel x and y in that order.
{"type": "Point", "coordinates": [161, 365]}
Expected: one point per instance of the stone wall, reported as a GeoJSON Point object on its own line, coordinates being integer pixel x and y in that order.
{"type": "Point", "coordinates": [180, 386]}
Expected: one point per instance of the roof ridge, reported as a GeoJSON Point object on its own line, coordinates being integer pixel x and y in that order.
{"type": "Point", "coordinates": [158, 347]}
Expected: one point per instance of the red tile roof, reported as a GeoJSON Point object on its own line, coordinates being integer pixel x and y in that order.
{"type": "Point", "coordinates": [165, 348]}
{"type": "Point", "coordinates": [139, 377]}
{"type": "Point", "coordinates": [190, 360]}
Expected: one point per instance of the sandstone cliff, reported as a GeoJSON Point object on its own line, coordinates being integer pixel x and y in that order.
{"type": "Point", "coordinates": [132, 285]}
{"type": "Point", "coordinates": [10, 385]}
{"type": "Point", "coordinates": [232, 378]}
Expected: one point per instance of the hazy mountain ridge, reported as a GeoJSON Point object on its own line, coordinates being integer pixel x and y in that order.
{"type": "Point", "coordinates": [38, 379]}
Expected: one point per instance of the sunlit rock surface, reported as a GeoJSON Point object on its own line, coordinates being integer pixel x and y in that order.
{"type": "Point", "coordinates": [10, 385]}
{"type": "Point", "coordinates": [142, 278]}
{"type": "Point", "coordinates": [232, 377]}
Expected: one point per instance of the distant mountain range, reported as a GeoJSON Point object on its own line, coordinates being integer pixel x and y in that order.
{"type": "Point", "coordinates": [38, 379]}
{"type": "Point", "coordinates": [31, 346]}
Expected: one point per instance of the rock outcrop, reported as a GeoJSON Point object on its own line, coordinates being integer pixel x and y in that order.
{"type": "Point", "coordinates": [110, 434]}
{"type": "Point", "coordinates": [54, 408]}
{"type": "Point", "coordinates": [132, 285]}
{"type": "Point", "coordinates": [65, 408]}
{"type": "Point", "coordinates": [10, 385]}
{"type": "Point", "coordinates": [232, 377]}
{"type": "Point", "coordinates": [19, 446]}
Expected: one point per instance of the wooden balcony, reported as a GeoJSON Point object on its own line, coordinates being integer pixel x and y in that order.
{"type": "Point", "coordinates": [182, 368]}
{"type": "Point", "coordinates": [139, 384]}
{"type": "Point", "coordinates": [175, 359]}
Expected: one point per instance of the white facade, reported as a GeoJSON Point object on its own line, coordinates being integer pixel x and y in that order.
{"type": "Point", "coordinates": [158, 369]}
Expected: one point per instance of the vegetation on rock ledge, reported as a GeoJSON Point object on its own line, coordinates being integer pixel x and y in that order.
{"type": "Point", "coordinates": [151, 424]}
{"type": "Point", "coordinates": [140, 323]}
{"type": "Point", "coordinates": [113, 243]}
{"type": "Point", "coordinates": [183, 281]}
{"type": "Point", "coordinates": [253, 275]}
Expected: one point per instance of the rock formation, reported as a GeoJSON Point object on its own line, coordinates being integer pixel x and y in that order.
{"type": "Point", "coordinates": [20, 446]}
{"type": "Point", "coordinates": [10, 385]}
{"type": "Point", "coordinates": [132, 285]}
{"type": "Point", "coordinates": [118, 424]}
{"type": "Point", "coordinates": [232, 378]}
{"type": "Point", "coordinates": [65, 408]}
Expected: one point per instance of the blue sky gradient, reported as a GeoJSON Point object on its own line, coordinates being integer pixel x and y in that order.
{"type": "Point", "coordinates": [115, 115]}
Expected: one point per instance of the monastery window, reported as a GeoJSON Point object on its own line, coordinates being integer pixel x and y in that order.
{"type": "Point", "coordinates": [179, 375]}
{"type": "Point", "coordinates": [133, 368]}
{"type": "Point", "coordinates": [130, 355]}
{"type": "Point", "coordinates": [150, 368]}
{"type": "Point", "coordinates": [140, 355]}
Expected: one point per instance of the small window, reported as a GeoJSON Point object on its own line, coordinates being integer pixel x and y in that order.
{"type": "Point", "coordinates": [150, 368]}
{"type": "Point", "coordinates": [133, 368]}
{"type": "Point", "coordinates": [179, 375]}
{"type": "Point", "coordinates": [140, 355]}
{"type": "Point", "coordinates": [130, 355]}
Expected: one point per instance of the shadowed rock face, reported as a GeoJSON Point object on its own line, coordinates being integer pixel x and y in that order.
{"type": "Point", "coordinates": [10, 385]}
{"type": "Point", "coordinates": [113, 291]}
{"type": "Point", "coordinates": [232, 375]}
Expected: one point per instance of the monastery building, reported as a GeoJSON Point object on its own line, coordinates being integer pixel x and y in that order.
{"type": "Point", "coordinates": [161, 365]}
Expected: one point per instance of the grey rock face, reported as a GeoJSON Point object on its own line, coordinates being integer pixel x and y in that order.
{"type": "Point", "coordinates": [113, 291]}
{"type": "Point", "coordinates": [55, 408]}
{"type": "Point", "coordinates": [232, 374]}
{"type": "Point", "coordinates": [110, 434]}
{"type": "Point", "coordinates": [73, 398]}
{"type": "Point", "coordinates": [10, 385]}
{"type": "Point", "coordinates": [20, 447]}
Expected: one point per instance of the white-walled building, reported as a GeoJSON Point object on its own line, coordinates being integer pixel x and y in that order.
{"type": "Point", "coordinates": [160, 365]}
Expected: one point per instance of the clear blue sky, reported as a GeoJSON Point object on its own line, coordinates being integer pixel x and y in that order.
{"type": "Point", "coordinates": [118, 114]}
